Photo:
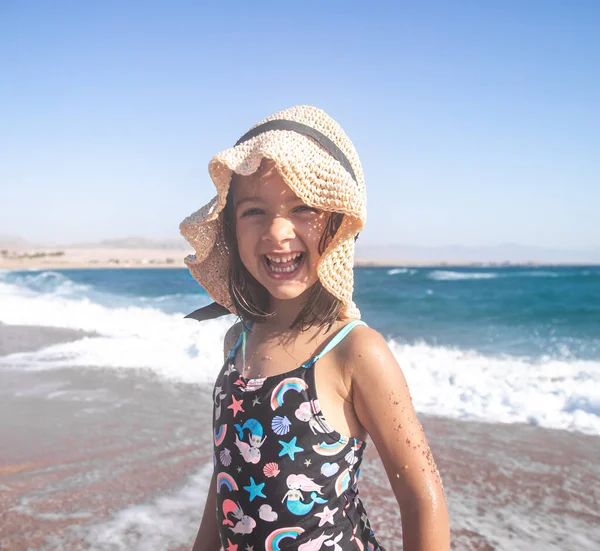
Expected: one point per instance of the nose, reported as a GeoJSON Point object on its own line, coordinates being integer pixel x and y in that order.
{"type": "Point", "coordinates": [280, 230]}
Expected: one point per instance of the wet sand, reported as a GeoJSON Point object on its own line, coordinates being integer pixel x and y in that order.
{"type": "Point", "coordinates": [109, 460]}
{"type": "Point", "coordinates": [26, 338]}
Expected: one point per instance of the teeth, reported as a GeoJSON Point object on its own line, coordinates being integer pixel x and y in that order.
{"type": "Point", "coordinates": [286, 269]}
{"type": "Point", "coordinates": [283, 258]}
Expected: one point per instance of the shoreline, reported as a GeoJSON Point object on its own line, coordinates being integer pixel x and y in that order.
{"type": "Point", "coordinates": [511, 487]}
{"type": "Point", "coordinates": [92, 454]}
{"type": "Point", "coordinates": [103, 258]}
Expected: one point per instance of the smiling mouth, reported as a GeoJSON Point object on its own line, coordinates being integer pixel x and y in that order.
{"type": "Point", "coordinates": [283, 264]}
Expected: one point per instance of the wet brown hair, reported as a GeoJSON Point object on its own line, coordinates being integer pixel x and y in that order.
{"type": "Point", "coordinates": [251, 299]}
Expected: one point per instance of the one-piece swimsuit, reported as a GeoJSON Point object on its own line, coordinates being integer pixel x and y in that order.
{"type": "Point", "coordinates": [285, 478]}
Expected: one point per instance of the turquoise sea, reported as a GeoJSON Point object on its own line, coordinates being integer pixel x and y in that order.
{"type": "Point", "coordinates": [504, 344]}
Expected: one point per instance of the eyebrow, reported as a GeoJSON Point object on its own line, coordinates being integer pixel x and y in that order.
{"type": "Point", "coordinates": [249, 199]}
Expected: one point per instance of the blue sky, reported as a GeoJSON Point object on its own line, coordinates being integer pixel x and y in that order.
{"type": "Point", "coordinates": [477, 123]}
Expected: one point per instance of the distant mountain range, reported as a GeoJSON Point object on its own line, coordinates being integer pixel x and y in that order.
{"type": "Point", "coordinates": [505, 252]}
{"type": "Point", "coordinates": [17, 243]}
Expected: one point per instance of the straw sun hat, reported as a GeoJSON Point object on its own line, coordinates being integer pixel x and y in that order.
{"type": "Point", "coordinates": [319, 163]}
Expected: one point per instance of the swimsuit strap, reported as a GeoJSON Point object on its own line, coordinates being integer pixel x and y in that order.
{"type": "Point", "coordinates": [241, 338]}
{"type": "Point", "coordinates": [337, 339]}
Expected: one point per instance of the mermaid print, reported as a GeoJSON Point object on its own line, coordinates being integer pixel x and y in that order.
{"type": "Point", "coordinates": [250, 451]}
{"type": "Point", "coordinates": [218, 398]}
{"type": "Point", "coordinates": [314, 544]}
{"type": "Point", "coordinates": [278, 459]}
{"type": "Point", "coordinates": [244, 524]}
{"type": "Point", "coordinates": [310, 413]}
{"type": "Point", "coordinates": [256, 432]}
{"type": "Point", "coordinates": [298, 483]}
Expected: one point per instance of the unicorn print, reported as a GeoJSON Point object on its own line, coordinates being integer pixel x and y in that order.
{"type": "Point", "coordinates": [244, 524]}
{"type": "Point", "coordinates": [298, 483]}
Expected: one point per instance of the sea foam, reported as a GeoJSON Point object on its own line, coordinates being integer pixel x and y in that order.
{"type": "Point", "coordinates": [559, 392]}
{"type": "Point", "coordinates": [447, 275]}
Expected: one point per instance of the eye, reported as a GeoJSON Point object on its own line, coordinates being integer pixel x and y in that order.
{"type": "Point", "coordinates": [306, 208]}
{"type": "Point", "coordinates": [252, 212]}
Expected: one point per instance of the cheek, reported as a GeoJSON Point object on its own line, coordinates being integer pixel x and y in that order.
{"type": "Point", "coordinates": [312, 232]}
{"type": "Point", "coordinates": [246, 243]}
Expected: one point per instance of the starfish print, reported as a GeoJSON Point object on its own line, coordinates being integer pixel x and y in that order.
{"type": "Point", "coordinates": [256, 401]}
{"type": "Point", "coordinates": [326, 515]}
{"type": "Point", "coordinates": [230, 369]}
{"type": "Point", "coordinates": [249, 547]}
{"type": "Point", "coordinates": [236, 406]}
{"type": "Point", "coordinates": [289, 448]}
{"type": "Point", "coordinates": [308, 462]}
{"type": "Point", "coordinates": [254, 489]}
{"type": "Point", "coordinates": [231, 546]}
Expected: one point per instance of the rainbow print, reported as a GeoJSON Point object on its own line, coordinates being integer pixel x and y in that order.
{"type": "Point", "coordinates": [274, 538]}
{"type": "Point", "coordinates": [291, 383]}
{"type": "Point", "coordinates": [342, 482]}
{"type": "Point", "coordinates": [220, 435]}
{"type": "Point", "coordinates": [330, 449]}
{"type": "Point", "coordinates": [225, 479]}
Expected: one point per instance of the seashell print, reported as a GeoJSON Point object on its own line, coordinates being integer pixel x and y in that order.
{"type": "Point", "coordinates": [350, 457]}
{"type": "Point", "coordinates": [280, 425]}
{"type": "Point", "coordinates": [226, 457]}
{"type": "Point", "coordinates": [271, 469]}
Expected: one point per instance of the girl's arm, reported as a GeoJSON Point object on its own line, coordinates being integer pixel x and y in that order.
{"type": "Point", "coordinates": [207, 538]}
{"type": "Point", "coordinates": [384, 407]}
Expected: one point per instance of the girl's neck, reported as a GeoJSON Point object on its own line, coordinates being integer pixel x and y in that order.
{"type": "Point", "coordinates": [284, 314]}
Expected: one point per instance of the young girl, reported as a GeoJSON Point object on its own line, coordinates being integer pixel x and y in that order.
{"type": "Point", "coordinates": [304, 380]}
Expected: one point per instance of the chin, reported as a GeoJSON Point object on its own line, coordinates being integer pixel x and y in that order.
{"type": "Point", "coordinates": [287, 294]}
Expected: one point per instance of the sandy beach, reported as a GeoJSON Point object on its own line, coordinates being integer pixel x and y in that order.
{"type": "Point", "coordinates": [60, 258]}
{"type": "Point", "coordinates": [91, 257]}
{"type": "Point", "coordinates": [108, 460]}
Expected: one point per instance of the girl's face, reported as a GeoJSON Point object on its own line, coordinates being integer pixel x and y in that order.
{"type": "Point", "coordinates": [277, 234]}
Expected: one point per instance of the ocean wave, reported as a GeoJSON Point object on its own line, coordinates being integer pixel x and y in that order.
{"type": "Point", "coordinates": [447, 275]}
{"type": "Point", "coordinates": [396, 271]}
{"type": "Point", "coordinates": [559, 392]}
{"type": "Point", "coordinates": [167, 522]}
{"type": "Point", "coordinates": [538, 273]}
{"type": "Point", "coordinates": [130, 337]}
{"type": "Point", "coordinates": [550, 392]}
{"type": "Point", "coordinates": [48, 281]}
{"type": "Point", "coordinates": [162, 298]}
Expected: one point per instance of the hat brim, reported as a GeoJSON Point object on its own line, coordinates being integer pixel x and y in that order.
{"type": "Point", "coordinates": [314, 176]}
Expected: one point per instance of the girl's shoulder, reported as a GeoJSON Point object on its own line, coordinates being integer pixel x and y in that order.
{"type": "Point", "coordinates": [364, 354]}
{"type": "Point", "coordinates": [363, 343]}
